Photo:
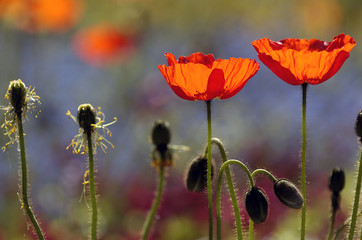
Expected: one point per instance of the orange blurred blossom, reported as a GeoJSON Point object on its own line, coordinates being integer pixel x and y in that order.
{"type": "Point", "coordinates": [201, 77]}
{"type": "Point", "coordinates": [298, 61]}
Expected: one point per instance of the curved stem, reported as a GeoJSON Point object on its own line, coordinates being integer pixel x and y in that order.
{"type": "Point", "coordinates": [92, 188]}
{"type": "Point", "coordinates": [218, 193]}
{"type": "Point", "coordinates": [234, 201]}
{"type": "Point", "coordinates": [209, 182]}
{"type": "Point", "coordinates": [24, 179]}
{"type": "Point", "coordinates": [331, 227]}
{"type": "Point", "coordinates": [265, 172]}
{"type": "Point", "coordinates": [345, 224]}
{"type": "Point", "coordinates": [303, 164]}
{"type": "Point", "coordinates": [156, 202]}
{"type": "Point", "coordinates": [356, 200]}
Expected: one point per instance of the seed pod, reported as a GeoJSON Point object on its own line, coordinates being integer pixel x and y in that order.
{"type": "Point", "coordinates": [17, 95]}
{"type": "Point", "coordinates": [196, 174]}
{"type": "Point", "coordinates": [336, 180]}
{"type": "Point", "coordinates": [256, 204]}
{"type": "Point", "coordinates": [288, 194]}
{"type": "Point", "coordinates": [358, 126]}
{"type": "Point", "coordinates": [161, 135]}
{"type": "Point", "coordinates": [86, 117]}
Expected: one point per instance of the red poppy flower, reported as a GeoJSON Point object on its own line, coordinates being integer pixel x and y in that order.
{"type": "Point", "coordinates": [298, 61]}
{"type": "Point", "coordinates": [102, 44]}
{"type": "Point", "coordinates": [201, 77]}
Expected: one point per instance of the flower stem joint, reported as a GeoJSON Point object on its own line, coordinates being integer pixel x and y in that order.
{"type": "Point", "coordinates": [17, 96]}
{"type": "Point", "coordinates": [196, 174]}
{"type": "Point", "coordinates": [288, 194]}
{"type": "Point", "coordinates": [86, 117]}
{"type": "Point", "coordinates": [257, 205]}
{"type": "Point", "coordinates": [161, 137]}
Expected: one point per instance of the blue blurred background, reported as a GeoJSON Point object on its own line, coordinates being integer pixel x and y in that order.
{"type": "Point", "coordinates": [106, 53]}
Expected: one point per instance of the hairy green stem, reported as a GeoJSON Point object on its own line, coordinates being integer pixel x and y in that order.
{"type": "Point", "coordinates": [303, 164]}
{"type": "Point", "coordinates": [356, 200]}
{"type": "Point", "coordinates": [92, 189]}
{"type": "Point", "coordinates": [251, 229]}
{"type": "Point", "coordinates": [331, 227]}
{"type": "Point", "coordinates": [265, 172]}
{"type": "Point", "coordinates": [209, 182]}
{"type": "Point", "coordinates": [156, 203]}
{"type": "Point", "coordinates": [223, 168]}
{"type": "Point", "coordinates": [24, 178]}
{"type": "Point", "coordinates": [234, 201]}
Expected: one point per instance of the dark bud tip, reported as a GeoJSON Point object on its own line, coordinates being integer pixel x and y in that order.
{"type": "Point", "coordinates": [17, 95]}
{"type": "Point", "coordinates": [256, 204]}
{"type": "Point", "coordinates": [358, 126]}
{"type": "Point", "coordinates": [86, 117]}
{"type": "Point", "coordinates": [336, 180]}
{"type": "Point", "coordinates": [288, 194]}
{"type": "Point", "coordinates": [196, 174]}
{"type": "Point", "coordinates": [161, 135]}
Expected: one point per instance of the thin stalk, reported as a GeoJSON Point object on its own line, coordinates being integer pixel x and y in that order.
{"type": "Point", "coordinates": [156, 202]}
{"type": "Point", "coordinates": [218, 193]}
{"type": "Point", "coordinates": [209, 182]}
{"type": "Point", "coordinates": [234, 201]}
{"type": "Point", "coordinates": [265, 172]}
{"type": "Point", "coordinates": [251, 229]}
{"type": "Point", "coordinates": [356, 200]}
{"type": "Point", "coordinates": [331, 227]}
{"type": "Point", "coordinates": [303, 164]}
{"type": "Point", "coordinates": [24, 179]}
{"type": "Point", "coordinates": [92, 188]}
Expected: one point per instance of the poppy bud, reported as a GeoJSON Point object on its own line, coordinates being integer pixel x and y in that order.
{"type": "Point", "coordinates": [288, 194]}
{"type": "Point", "coordinates": [161, 135]}
{"type": "Point", "coordinates": [358, 126]}
{"type": "Point", "coordinates": [17, 95]}
{"type": "Point", "coordinates": [336, 180]}
{"type": "Point", "coordinates": [86, 117]}
{"type": "Point", "coordinates": [196, 174]}
{"type": "Point", "coordinates": [256, 204]}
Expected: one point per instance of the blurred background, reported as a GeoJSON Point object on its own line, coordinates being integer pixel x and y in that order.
{"type": "Point", "coordinates": [106, 53]}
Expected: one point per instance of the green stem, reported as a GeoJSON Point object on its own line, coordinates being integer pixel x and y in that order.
{"type": "Point", "coordinates": [356, 200]}
{"type": "Point", "coordinates": [223, 168]}
{"type": "Point", "coordinates": [156, 202]}
{"type": "Point", "coordinates": [234, 201]}
{"type": "Point", "coordinates": [345, 224]}
{"type": "Point", "coordinates": [92, 188]}
{"type": "Point", "coordinates": [251, 229]}
{"type": "Point", "coordinates": [265, 172]}
{"type": "Point", "coordinates": [24, 179]}
{"type": "Point", "coordinates": [303, 164]}
{"type": "Point", "coordinates": [331, 228]}
{"type": "Point", "coordinates": [209, 182]}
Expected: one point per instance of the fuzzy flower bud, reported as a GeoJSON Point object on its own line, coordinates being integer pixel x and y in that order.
{"type": "Point", "coordinates": [288, 194]}
{"type": "Point", "coordinates": [256, 204]}
{"type": "Point", "coordinates": [358, 126]}
{"type": "Point", "coordinates": [161, 135]}
{"type": "Point", "coordinates": [336, 180]}
{"type": "Point", "coordinates": [17, 95]}
{"type": "Point", "coordinates": [86, 117]}
{"type": "Point", "coordinates": [196, 174]}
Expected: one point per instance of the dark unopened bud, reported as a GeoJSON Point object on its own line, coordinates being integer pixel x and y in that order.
{"type": "Point", "coordinates": [336, 201]}
{"type": "Point", "coordinates": [336, 180]}
{"type": "Point", "coordinates": [256, 204]}
{"type": "Point", "coordinates": [17, 95]}
{"type": "Point", "coordinates": [196, 174]}
{"type": "Point", "coordinates": [288, 194]}
{"type": "Point", "coordinates": [86, 117]}
{"type": "Point", "coordinates": [161, 135]}
{"type": "Point", "coordinates": [358, 126]}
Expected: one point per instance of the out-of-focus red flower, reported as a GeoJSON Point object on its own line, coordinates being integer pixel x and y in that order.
{"type": "Point", "coordinates": [298, 61]}
{"type": "Point", "coordinates": [201, 77]}
{"type": "Point", "coordinates": [102, 44]}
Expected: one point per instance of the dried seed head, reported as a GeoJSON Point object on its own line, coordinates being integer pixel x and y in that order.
{"type": "Point", "coordinates": [17, 95]}
{"type": "Point", "coordinates": [336, 180]}
{"type": "Point", "coordinates": [161, 135]}
{"type": "Point", "coordinates": [288, 194]}
{"type": "Point", "coordinates": [256, 204]}
{"type": "Point", "coordinates": [86, 117]}
{"type": "Point", "coordinates": [358, 125]}
{"type": "Point", "coordinates": [196, 174]}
